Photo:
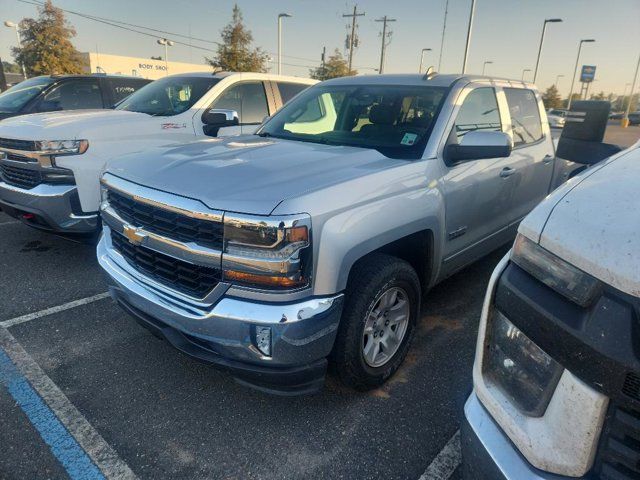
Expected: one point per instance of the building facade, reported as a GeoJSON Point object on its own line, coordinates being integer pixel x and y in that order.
{"type": "Point", "coordinates": [138, 67]}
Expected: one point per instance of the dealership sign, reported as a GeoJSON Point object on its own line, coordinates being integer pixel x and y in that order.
{"type": "Point", "coordinates": [588, 73]}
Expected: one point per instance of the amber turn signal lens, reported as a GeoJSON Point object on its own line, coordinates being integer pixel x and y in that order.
{"type": "Point", "coordinates": [297, 234]}
{"type": "Point", "coordinates": [263, 280]}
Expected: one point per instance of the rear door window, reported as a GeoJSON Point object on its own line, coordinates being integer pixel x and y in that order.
{"type": "Point", "coordinates": [72, 94]}
{"type": "Point", "coordinates": [121, 88]}
{"type": "Point", "coordinates": [289, 90]}
{"type": "Point", "coordinates": [526, 126]}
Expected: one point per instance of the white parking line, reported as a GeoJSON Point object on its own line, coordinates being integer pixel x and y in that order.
{"type": "Point", "coordinates": [11, 222]}
{"type": "Point", "coordinates": [446, 461]}
{"type": "Point", "coordinates": [99, 451]}
{"type": "Point", "coordinates": [49, 311]}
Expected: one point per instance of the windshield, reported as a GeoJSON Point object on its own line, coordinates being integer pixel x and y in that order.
{"type": "Point", "coordinates": [18, 96]}
{"type": "Point", "coordinates": [167, 96]}
{"type": "Point", "coordinates": [395, 120]}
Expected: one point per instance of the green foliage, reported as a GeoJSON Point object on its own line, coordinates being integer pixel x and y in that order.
{"type": "Point", "coordinates": [551, 98]}
{"type": "Point", "coordinates": [46, 44]}
{"type": "Point", "coordinates": [11, 67]}
{"type": "Point", "coordinates": [235, 53]}
{"type": "Point", "coordinates": [335, 66]}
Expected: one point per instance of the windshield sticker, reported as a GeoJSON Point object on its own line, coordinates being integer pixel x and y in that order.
{"type": "Point", "coordinates": [409, 139]}
{"type": "Point", "coordinates": [166, 126]}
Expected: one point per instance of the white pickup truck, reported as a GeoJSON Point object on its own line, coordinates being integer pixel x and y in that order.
{"type": "Point", "coordinates": [50, 163]}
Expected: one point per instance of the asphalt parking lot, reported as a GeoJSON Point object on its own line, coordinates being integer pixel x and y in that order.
{"type": "Point", "coordinates": [165, 415]}
{"type": "Point", "coordinates": [85, 372]}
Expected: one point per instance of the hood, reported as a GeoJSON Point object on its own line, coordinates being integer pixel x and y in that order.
{"type": "Point", "coordinates": [247, 174]}
{"type": "Point", "coordinates": [596, 225]}
{"type": "Point", "coordinates": [65, 125]}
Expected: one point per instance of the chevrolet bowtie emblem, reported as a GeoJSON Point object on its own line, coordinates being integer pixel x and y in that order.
{"type": "Point", "coordinates": [133, 235]}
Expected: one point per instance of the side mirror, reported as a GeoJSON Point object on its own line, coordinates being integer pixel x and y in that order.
{"type": "Point", "coordinates": [220, 118]}
{"type": "Point", "coordinates": [477, 145]}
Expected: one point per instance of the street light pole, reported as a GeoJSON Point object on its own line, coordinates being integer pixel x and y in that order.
{"type": "Point", "coordinates": [575, 70]}
{"type": "Point", "coordinates": [544, 29]}
{"type": "Point", "coordinates": [484, 65]}
{"type": "Point", "coordinates": [424, 50]}
{"type": "Point", "coordinates": [466, 48]}
{"type": "Point", "coordinates": [525, 71]}
{"type": "Point", "coordinates": [633, 87]}
{"type": "Point", "coordinates": [558, 77]}
{"type": "Point", "coordinates": [280, 17]}
{"type": "Point", "coordinates": [9, 24]}
{"type": "Point", "coordinates": [167, 44]}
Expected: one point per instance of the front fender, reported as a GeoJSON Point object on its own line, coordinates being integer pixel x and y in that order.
{"type": "Point", "coordinates": [352, 234]}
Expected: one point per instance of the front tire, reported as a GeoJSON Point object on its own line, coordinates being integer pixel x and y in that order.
{"type": "Point", "coordinates": [381, 311]}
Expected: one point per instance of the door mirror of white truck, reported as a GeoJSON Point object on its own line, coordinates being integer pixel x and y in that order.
{"type": "Point", "coordinates": [477, 145]}
{"type": "Point", "coordinates": [220, 118]}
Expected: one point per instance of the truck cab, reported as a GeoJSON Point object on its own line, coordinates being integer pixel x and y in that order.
{"type": "Point", "coordinates": [50, 163]}
{"type": "Point", "coordinates": [314, 240]}
{"type": "Point", "coordinates": [556, 379]}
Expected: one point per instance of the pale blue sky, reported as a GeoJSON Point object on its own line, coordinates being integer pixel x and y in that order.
{"type": "Point", "coordinates": [506, 32]}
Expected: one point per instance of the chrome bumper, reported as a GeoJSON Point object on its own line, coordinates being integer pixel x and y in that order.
{"type": "Point", "coordinates": [52, 206]}
{"type": "Point", "coordinates": [488, 453]}
{"type": "Point", "coordinates": [302, 332]}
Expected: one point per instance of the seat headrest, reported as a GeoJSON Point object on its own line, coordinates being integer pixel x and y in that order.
{"type": "Point", "coordinates": [382, 114]}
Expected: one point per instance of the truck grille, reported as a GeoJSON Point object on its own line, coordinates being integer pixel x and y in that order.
{"type": "Point", "coordinates": [619, 453]}
{"type": "Point", "coordinates": [176, 226]}
{"type": "Point", "coordinates": [13, 144]}
{"type": "Point", "coordinates": [193, 280]}
{"type": "Point", "coordinates": [20, 177]}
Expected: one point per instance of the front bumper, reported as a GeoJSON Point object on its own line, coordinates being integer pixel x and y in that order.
{"type": "Point", "coordinates": [221, 329]}
{"type": "Point", "coordinates": [487, 452]}
{"type": "Point", "coordinates": [53, 207]}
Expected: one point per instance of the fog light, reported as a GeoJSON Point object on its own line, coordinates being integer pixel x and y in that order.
{"type": "Point", "coordinates": [263, 340]}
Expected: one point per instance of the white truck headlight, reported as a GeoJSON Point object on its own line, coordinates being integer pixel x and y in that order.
{"type": "Point", "coordinates": [63, 147]}
{"type": "Point", "coordinates": [518, 367]}
{"type": "Point", "coordinates": [270, 253]}
{"type": "Point", "coordinates": [564, 278]}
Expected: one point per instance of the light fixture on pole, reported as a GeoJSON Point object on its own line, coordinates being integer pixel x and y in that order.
{"type": "Point", "coordinates": [468, 44]}
{"type": "Point", "coordinates": [280, 17]}
{"type": "Point", "coordinates": [523, 72]}
{"type": "Point", "coordinates": [9, 24]}
{"type": "Point", "coordinates": [424, 50]}
{"type": "Point", "coordinates": [558, 77]}
{"type": "Point", "coordinates": [575, 70]}
{"type": "Point", "coordinates": [167, 44]}
{"type": "Point", "coordinates": [544, 29]}
{"type": "Point", "coordinates": [484, 65]}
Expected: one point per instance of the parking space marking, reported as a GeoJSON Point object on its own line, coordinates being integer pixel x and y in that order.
{"type": "Point", "coordinates": [446, 462]}
{"type": "Point", "coordinates": [11, 222]}
{"type": "Point", "coordinates": [50, 311]}
{"type": "Point", "coordinates": [46, 406]}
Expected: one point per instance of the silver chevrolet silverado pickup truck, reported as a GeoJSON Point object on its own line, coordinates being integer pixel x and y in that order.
{"type": "Point", "coordinates": [315, 240]}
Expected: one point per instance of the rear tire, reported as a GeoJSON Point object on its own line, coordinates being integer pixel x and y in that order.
{"type": "Point", "coordinates": [382, 306]}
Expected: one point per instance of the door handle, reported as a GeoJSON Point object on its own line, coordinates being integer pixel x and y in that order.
{"type": "Point", "coordinates": [547, 159]}
{"type": "Point", "coordinates": [507, 172]}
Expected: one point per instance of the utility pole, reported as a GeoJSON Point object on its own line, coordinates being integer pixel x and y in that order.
{"type": "Point", "coordinates": [352, 41]}
{"type": "Point", "coordinates": [633, 87]}
{"type": "Point", "coordinates": [323, 62]}
{"type": "Point", "coordinates": [469, 28]}
{"type": "Point", "coordinates": [384, 21]}
{"type": "Point", "coordinates": [444, 28]}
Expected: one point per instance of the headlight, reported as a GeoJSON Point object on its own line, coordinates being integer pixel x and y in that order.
{"type": "Point", "coordinates": [516, 365]}
{"type": "Point", "coordinates": [270, 253]}
{"type": "Point", "coordinates": [63, 147]}
{"type": "Point", "coordinates": [564, 278]}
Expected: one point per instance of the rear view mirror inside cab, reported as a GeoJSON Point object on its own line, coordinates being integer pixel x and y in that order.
{"type": "Point", "coordinates": [478, 145]}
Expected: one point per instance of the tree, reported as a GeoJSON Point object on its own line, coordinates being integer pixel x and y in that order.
{"type": "Point", "coordinates": [599, 96]}
{"type": "Point", "coordinates": [11, 67]}
{"type": "Point", "coordinates": [235, 53]}
{"type": "Point", "coordinates": [574, 98]}
{"type": "Point", "coordinates": [551, 98]}
{"type": "Point", "coordinates": [46, 44]}
{"type": "Point", "coordinates": [335, 66]}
